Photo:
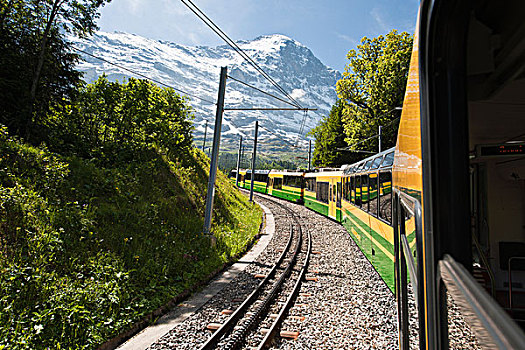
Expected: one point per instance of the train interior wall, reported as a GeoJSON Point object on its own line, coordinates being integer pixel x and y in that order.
{"type": "Point", "coordinates": [496, 93]}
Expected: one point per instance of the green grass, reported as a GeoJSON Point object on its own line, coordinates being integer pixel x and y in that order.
{"type": "Point", "coordinates": [87, 249]}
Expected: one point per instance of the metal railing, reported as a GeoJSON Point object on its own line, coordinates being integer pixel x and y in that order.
{"type": "Point", "coordinates": [510, 277]}
{"type": "Point", "coordinates": [485, 263]}
{"type": "Point", "coordinates": [493, 328]}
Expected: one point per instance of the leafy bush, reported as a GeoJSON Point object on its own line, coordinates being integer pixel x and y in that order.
{"type": "Point", "coordinates": [86, 250]}
{"type": "Point", "coordinates": [110, 121]}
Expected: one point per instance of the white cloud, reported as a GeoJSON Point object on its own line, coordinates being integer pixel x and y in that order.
{"type": "Point", "coordinates": [377, 14]}
{"type": "Point", "coordinates": [347, 38]}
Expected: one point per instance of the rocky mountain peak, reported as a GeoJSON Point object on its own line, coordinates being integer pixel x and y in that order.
{"type": "Point", "coordinates": [195, 69]}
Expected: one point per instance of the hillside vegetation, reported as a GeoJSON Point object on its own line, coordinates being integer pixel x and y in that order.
{"type": "Point", "coordinates": [104, 224]}
{"type": "Point", "coordinates": [102, 195]}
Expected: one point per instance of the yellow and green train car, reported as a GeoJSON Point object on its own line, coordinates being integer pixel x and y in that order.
{"type": "Point", "coordinates": [260, 179]}
{"type": "Point", "coordinates": [286, 185]}
{"type": "Point", "coordinates": [366, 208]}
{"type": "Point", "coordinates": [322, 193]}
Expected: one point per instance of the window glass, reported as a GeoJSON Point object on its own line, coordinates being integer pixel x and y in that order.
{"type": "Point", "coordinates": [310, 184]}
{"type": "Point", "coordinates": [372, 193]}
{"type": "Point", "coordinates": [376, 162]}
{"type": "Point", "coordinates": [385, 196]}
{"type": "Point", "coordinates": [338, 194]}
{"type": "Point", "coordinates": [358, 190]}
{"type": "Point", "coordinates": [322, 192]}
{"type": "Point", "coordinates": [261, 177]}
{"type": "Point", "coordinates": [352, 189]}
{"type": "Point", "coordinates": [389, 160]}
{"type": "Point", "coordinates": [278, 183]}
{"type": "Point", "coordinates": [367, 165]}
{"type": "Point", "coordinates": [293, 181]}
{"type": "Point", "coordinates": [364, 192]}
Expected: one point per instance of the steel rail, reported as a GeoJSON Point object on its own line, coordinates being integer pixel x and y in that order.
{"type": "Point", "coordinates": [280, 318]}
{"type": "Point", "coordinates": [240, 334]}
{"type": "Point", "coordinates": [234, 318]}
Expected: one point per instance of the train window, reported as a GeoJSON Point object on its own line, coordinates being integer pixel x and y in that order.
{"type": "Point", "coordinates": [322, 192]}
{"type": "Point", "coordinates": [347, 189]}
{"type": "Point", "coordinates": [338, 194]}
{"type": "Point", "coordinates": [364, 192]}
{"type": "Point", "coordinates": [248, 176]}
{"type": "Point", "coordinates": [352, 189]}
{"type": "Point", "coordinates": [293, 181]}
{"type": "Point", "coordinates": [376, 162]}
{"type": "Point", "coordinates": [385, 196]}
{"type": "Point", "coordinates": [277, 183]}
{"type": "Point", "coordinates": [310, 184]}
{"type": "Point", "coordinates": [357, 190]}
{"type": "Point", "coordinates": [259, 177]}
{"type": "Point", "coordinates": [367, 165]}
{"type": "Point", "coordinates": [389, 160]}
{"type": "Point", "coordinates": [372, 193]}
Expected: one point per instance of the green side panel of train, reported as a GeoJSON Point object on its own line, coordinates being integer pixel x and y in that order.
{"type": "Point", "coordinates": [288, 195]}
{"type": "Point", "coordinates": [320, 207]}
{"type": "Point", "coordinates": [257, 186]}
{"type": "Point", "coordinates": [376, 248]}
{"type": "Point", "coordinates": [312, 203]}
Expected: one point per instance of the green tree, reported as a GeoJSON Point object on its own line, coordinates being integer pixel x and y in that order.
{"type": "Point", "coordinates": [329, 137]}
{"type": "Point", "coordinates": [372, 86]}
{"type": "Point", "coordinates": [36, 62]}
{"type": "Point", "coordinates": [108, 119]}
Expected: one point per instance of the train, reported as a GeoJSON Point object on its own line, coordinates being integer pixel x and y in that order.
{"type": "Point", "coordinates": [444, 210]}
{"type": "Point", "coordinates": [358, 195]}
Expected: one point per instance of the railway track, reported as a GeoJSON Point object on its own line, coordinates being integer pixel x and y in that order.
{"type": "Point", "coordinates": [257, 320]}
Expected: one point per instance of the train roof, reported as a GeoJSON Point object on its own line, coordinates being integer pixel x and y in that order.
{"type": "Point", "coordinates": [324, 173]}
{"type": "Point", "coordinates": [384, 159]}
{"type": "Point", "coordinates": [264, 172]}
{"type": "Point", "coordinates": [288, 173]}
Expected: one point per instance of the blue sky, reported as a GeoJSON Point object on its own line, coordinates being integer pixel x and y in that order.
{"type": "Point", "coordinates": [328, 27]}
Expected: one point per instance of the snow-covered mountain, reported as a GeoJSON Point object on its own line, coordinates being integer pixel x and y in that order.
{"type": "Point", "coordinates": [196, 69]}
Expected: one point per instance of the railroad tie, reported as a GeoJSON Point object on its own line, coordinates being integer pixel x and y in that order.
{"type": "Point", "coordinates": [213, 326]}
{"type": "Point", "coordinates": [289, 335]}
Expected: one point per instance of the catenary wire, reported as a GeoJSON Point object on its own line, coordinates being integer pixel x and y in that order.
{"type": "Point", "coordinates": [261, 91]}
{"type": "Point", "coordinates": [203, 17]}
{"type": "Point", "coordinates": [142, 75]}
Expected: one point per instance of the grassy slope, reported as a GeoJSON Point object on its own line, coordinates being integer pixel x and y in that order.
{"type": "Point", "coordinates": [86, 250]}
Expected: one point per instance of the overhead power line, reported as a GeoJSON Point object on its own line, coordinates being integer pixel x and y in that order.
{"type": "Point", "coordinates": [261, 91]}
{"type": "Point", "coordinates": [203, 17]}
{"type": "Point", "coordinates": [143, 76]}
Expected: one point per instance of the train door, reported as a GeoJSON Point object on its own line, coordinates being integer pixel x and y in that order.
{"type": "Point", "coordinates": [270, 185]}
{"type": "Point", "coordinates": [339, 195]}
{"type": "Point", "coordinates": [331, 199]}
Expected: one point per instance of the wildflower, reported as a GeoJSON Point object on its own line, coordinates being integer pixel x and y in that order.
{"type": "Point", "coordinates": [38, 328]}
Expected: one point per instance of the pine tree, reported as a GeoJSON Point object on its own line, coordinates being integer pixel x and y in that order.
{"type": "Point", "coordinates": [329, 138]}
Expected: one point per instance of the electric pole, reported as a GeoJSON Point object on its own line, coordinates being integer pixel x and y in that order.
{"type": "Point", "coordinates": [253, 159]}
{"type": "Point", "coordinates": [215, 153]}
{"type": "Point", "coordinates": [238, 163]}
{"type": "Point", "coordinates": [205, 130]}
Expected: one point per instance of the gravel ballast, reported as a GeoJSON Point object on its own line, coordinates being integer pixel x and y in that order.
{"type": "Point", "coordinates": [347, 307]}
